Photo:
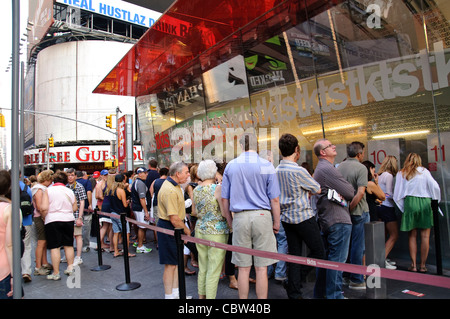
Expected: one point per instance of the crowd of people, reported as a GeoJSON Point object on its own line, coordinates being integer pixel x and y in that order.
{"type": "Point", "coordinates": [246, 202]}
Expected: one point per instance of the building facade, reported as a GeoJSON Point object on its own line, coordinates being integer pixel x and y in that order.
{"type": "Point", "coordinates": [71, 45]}
{"type": "Point", "coordinates": [357, 70]}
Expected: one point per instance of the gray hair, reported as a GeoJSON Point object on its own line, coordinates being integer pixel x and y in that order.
{"type": "Point", "coordinates": [207, 169]}
{"type": "Point", "coordinates": [176, 167]}
{"type": "Point", "coordinates": [248, 141]}
{"type": "Point", "coordinates": [354, 149]}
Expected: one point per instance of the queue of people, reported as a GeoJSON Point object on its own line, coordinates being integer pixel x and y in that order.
{"type": "Point", "coordinates": [247, 203]}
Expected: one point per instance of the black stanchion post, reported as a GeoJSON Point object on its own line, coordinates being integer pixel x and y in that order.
{"type": "Point", "coordinates": [180, 255]}
{"type": "Point", "coordinates": [437, 236]}
{"type": "Point", "coordinates": [100, 266]}
{"type": "Point", "coordinates": [128, 285]}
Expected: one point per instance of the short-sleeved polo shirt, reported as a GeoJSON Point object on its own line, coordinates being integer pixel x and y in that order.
{"type": "Point", "coordinates": [171, 200]}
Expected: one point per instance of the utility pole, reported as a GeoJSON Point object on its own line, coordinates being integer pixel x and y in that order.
{"type": "Point", "coordinates": [15, 199]}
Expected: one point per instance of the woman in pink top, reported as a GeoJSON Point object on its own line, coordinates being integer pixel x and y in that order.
{"type": "Point", "coordinates": [59, 223]}
{"type": "Point", "coordinates": [6, 259]}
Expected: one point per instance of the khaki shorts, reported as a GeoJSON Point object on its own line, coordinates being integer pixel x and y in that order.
{"type": "Point", "coordinates": [78, 230]}
{"type": "Point", "coordinates": [253, 229]}
{"type": "Point", "coordinates": [39, 228]}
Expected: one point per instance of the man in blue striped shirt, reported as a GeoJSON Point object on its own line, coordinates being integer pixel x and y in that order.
{"type": "Point", "coordinates": [297, 216]}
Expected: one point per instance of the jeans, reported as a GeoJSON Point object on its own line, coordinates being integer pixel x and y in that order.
{"type": "Point", "coordinates": [329, 282]}
{"type": "Point", "coordinates": [282, 244]}
{"type": "Point", "coordinates": [5, 287]}
{"type": "Point", "coordinates": [309, 233]}
{"type": "Point", "coordinates": [358, 244]}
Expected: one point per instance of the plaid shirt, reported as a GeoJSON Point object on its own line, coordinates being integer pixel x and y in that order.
{"type": "Point", "coordinates": [80, 194]}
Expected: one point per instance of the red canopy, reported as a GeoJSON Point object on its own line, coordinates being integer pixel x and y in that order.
{"type": "Point", "coordinates": [193, 36]}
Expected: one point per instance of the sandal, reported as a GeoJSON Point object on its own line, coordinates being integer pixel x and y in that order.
{"type": "Point", "coordinates": [119, 255]}
{"type": "Point", "coordinates": [423, 269]}
{"type": "Point", "coordinates": [189, 272]}
{"type": "Point", "coordinates": [412, 268]}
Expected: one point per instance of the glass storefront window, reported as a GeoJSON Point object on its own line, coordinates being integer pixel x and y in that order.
{"type": "Point", "coordinates": [370, 71]}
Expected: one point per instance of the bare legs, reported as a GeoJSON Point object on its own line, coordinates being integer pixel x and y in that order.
{"type": "Point", "coordinates": [392, 230]}
{"type": "Point", "coordinates": [262, 282]}
{"type": "Point", "coordinates": [170, 280]}
{"type": "Point", "coordinates": [424, 248]}
{"type": "Point", "coordinates": [56, 258]}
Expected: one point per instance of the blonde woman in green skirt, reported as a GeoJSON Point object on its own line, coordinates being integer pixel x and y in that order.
{"type": "Point", "coordinates": [413, 192]}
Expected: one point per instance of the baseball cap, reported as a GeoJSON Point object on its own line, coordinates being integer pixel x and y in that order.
{"type": "Point", "coordinates": [104, 172]}
{"type": "Point", "coordinates": [119, 178]}
{"type": "Point", "coordinates": [141, 170]}
{"type": "Point", "coordinates": [96, 174]}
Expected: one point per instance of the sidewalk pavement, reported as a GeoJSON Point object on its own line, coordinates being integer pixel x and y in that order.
{"type": "Point", "coordinates": [146, 270]}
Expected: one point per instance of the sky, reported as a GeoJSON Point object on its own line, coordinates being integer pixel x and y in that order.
{"type": "Point", "coordinates": [5, 55]}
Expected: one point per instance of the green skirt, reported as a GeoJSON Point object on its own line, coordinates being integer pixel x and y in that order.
{"type": "Point", "coordinates": [417, 213]}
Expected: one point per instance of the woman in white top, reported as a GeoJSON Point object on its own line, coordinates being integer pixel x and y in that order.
{"type": "Point", "coordinates": [59, 223]}
{"type": "Point", "coordinates": [386, 211]}
{"type": "Point", "coordinates": [414, 190]}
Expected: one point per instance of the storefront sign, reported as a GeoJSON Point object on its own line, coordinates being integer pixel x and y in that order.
{"type": "Point", "coordinates": [75, 154]}
{"type": "Point", "coordinates": [118, 10]}
{"type": "Point", "coordinates": [380, 81]}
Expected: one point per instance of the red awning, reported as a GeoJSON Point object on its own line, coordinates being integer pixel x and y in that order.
{"type": "Point", "coordinates": [194, 36]}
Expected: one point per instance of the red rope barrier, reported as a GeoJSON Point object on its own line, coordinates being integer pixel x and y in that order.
{"type": "Point", "coordinates": [431, 280]}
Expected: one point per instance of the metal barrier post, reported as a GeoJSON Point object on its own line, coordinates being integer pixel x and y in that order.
{"type": "Point", "coordinates": [100, 266]}
{"type": "Point", "coordinates": [180, 255]}
{"type": "Point", "coordinates": [128, 285]}
{"type": "Point", "coordinates": [375, 255]}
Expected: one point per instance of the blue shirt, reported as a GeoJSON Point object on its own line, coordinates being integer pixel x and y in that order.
{"type": "Point", "coordinates": [28, 220]}
{"type": "Point", "coordinates": [295, 185]}
{"type": "Point", "coordinates": [87, 187]}
{"type": "Point", "coordinates": [249, 182]}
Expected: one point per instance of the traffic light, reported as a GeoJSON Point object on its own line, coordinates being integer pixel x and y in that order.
{"type": "Point", "coordinates": [109, 121]}
{"type": "Point", "coordinates": [2, 120]}
{"type": "Point", "coordinates": [51, 143]}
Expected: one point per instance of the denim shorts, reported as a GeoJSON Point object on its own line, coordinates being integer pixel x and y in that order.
{"type": "Point", "coordinates": [117, 224]}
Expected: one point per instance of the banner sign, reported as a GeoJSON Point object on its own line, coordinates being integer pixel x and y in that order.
{"type": "Point", "coordinates": [75, 154]}
{"type": "Point", "coordinates": [115, 9]}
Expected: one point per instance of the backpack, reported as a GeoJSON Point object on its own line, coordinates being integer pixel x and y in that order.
{"type": "Point", "coordinates": [25, 202]}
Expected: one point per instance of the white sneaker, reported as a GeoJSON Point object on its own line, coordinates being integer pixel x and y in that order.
{"type": "Point", "coordinates": [77, 261]}
{"type": "Point", "coordinates": [64, 259]}
{"type": "Point", "coordinates": [388, 265]}
{"type": "Point", "coordinates": [357, 286]}
{"type": "Point", "coordinates": [393, 263]}
{"type": "Point", "coordinates": [143, 250]}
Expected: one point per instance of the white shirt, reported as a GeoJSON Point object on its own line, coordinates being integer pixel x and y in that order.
{"type": "Point", "coordinates": [421, 185]}
{"type": "Point", "coordinates": [386, 183]}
